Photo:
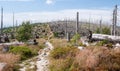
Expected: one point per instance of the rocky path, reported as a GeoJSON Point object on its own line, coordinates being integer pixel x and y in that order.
{"type": "Point", "coordinates": [42, 64]}
{"type": "Point", "coordinates": [39, 63]}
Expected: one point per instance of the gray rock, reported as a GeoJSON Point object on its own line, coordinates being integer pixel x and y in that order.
{"type": "Point", "coordinates": [3, 67]}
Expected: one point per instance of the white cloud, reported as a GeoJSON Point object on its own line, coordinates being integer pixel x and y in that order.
{"type": "Point", "coordinates": [16, 0]}
{"type": "Point", "coordinates": [49, 2]}
{"type": "Point", "coordinates": [85, 14]}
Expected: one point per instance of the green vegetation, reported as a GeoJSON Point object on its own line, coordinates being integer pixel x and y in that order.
{"type": "Point", "coordinates": [7, 30]}
{"type": "Point", "coordinates": [16, 67]}
{"type": "Point", "coordinates": [101, 43]}
{"type": "Point", "coordinates": [61, 52]}
{"type": "Point", "coordinates": [62, 58]}
{"type": "Point", "coordinates": [65, 56]}
{"type": "Point", "coordinates": [23, 51]}
{"type": "Point", "coordinates": [104, 30]}
{"type": "Point", "coordinates": [24, 32]}
{"type": "Point", "coordinates": [97, 31]}
{"type": "Point", "coordinates": [92, 58]}
{"type": "Point", "coordinates": [75, 39]}
{"type": "Point", "coordinates": [110, 45]}
{"type": "Point", "coordinates": [56, 34]}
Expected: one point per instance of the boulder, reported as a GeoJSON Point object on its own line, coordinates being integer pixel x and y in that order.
{"type": "Point", "coordinates": [3, 67]}
{"type": "Point", "coordinates": [5, 48]}
{"type": "Point", "coordinates": [80, 47]}
{"type": "Point", "coordinates": [117, 45]}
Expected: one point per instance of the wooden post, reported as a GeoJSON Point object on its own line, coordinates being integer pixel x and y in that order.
{"type": "Point", "coordinates": [16, 26]}
{"type": "Point", "coordinates": [13, 23]}
{"type": "Point", "coordinates": [66, 28]}
{"type": "Point", "coordinates": [101, 26]}
{"type": "Point", "coordinates": [89, 22]}
{"type": "Point", "coordinates": [114, 22]}
{"type": "Point", "coordinates": [68, 37]}
{"type": "Point", "coordinates": [77, 22]}
{"type": "Point", "coordinates": [1, 20]}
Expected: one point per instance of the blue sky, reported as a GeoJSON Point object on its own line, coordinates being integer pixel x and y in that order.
{"type": "Point", "coordinates": [49, 10]}
{"type": "Point", "coordinates": [55, 5]}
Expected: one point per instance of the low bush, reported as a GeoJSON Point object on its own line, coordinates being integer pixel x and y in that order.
{"type": "Point", "coordinates": [93, 58]}
{"type": "Point", "coordinates": [16, 67]}
{"type": "Point", "coordinates": [56, 34]}
{"type": "Point", "coordinates": [61, 64]}
{"type": "Point", "coordinates": [109, 45]}
{"type": "Point", "coordinates": [62, 58]}
{"type": "Point", "coordinates": [97, 59]}
{"type": "Point", "coordinates": [75, 39]}
{"type": "Point", "coordinates": [24, 52]}
{"type": "Point", "coordinates": [101, 43]}
{"type": "Point", "coordinates": [62, 52]}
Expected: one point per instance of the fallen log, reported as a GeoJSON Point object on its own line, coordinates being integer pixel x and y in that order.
{"type": "Point", "coordinates": [106, 37]}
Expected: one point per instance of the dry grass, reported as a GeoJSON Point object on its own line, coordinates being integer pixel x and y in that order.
{"type": "Point", "coordinates": [10, 59]}
{"type": "Point", "coordinates": [61, 58]}
{"type": "Point", "coordinates": [61, 64]}
{"type": "Point", "coordinates": [40, 46]}
{"type": "Point", "coordinates": [41, 40]}
{"type": "Point", "coordinates": [59, 42]}
{"type": "Point", "coordinates": [86, 59]}
{"type": "Point", "coordinates": [92, 58]}
{"type": "Point", "coordinates": [97, 58]}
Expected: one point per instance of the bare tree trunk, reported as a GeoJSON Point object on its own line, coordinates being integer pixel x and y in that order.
{"type": "Point", "coordinates": [1, 21]}
{"type": "Point", "coordinates": [77, 22]}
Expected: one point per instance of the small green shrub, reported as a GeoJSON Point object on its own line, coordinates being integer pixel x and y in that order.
{"type": "Point", "coordinates": [75, 38]}
{"type": "Point", "coordinates": [101, 43]}
{"type": "Point", "coordinates": [81, 44]}
{"type": "Point", "coordinates": [41, 46]}
{"type": "Point", "coordinates": [105, 41]}
{"type": "Point", "coordinates": [98, 31]}
{"type": "Point", "coordinates": [16, 67]}
{"type": "Point", "coordinates": [59, 52]}
{"type": "Point", "coordinates": [61, 65]}
{"type": "Point", "coordinates": [63, 52]}
{"type": "Point", "coordinates": [62, 58]}
{"type": "Point", "coordinates": [110, 45]}
{"type": "Point", "coordinates": [106, 30]}
{"type": "Point", "coordinates": [24, 32]}
{"type": "Point", "coordinates": [24, 52]}
{"type": "Point", "coordinates": [56, 34]}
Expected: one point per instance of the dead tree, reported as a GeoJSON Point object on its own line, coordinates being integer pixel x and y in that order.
{"type": "Point", "coordinates": [67, 33]}
{"type": "Point", "coordinates": [89, 23]}
{"type": "Point", "coordinates": [13, 22]}
{"type": "Point", "coordinates": [16, 26]}
{"type": "Point", "coordinates": [66, 28]}
{"type": "Point", "coordinates": [101, 26]}
{"type": "Point", "coordinates": [1, 20]}
{"type": "Point", "coordinates": [77, 22]}
{"type": "Point", "coordinates": [13, 32]}
{"type": "Point", "coordinates": [114, 22]}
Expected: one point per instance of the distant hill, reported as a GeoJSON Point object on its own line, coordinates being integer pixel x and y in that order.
{"type": "Point", "coordinates": [60, 27]}
{"type": "Point", "coordinates": [44, 29]}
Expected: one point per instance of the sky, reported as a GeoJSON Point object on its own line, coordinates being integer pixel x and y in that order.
{"type": "Point", "coordinates": [52, 10]}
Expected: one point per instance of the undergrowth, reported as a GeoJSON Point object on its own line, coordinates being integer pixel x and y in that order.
{"type": "Point", "coordinates": [93, 58]}
{"type": "Point", "coordinates": [23, 51]}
